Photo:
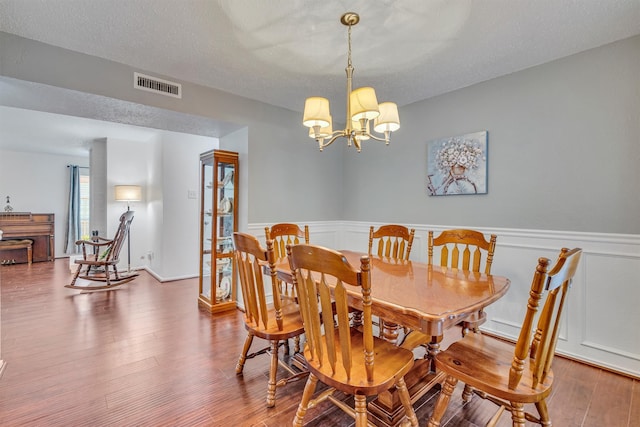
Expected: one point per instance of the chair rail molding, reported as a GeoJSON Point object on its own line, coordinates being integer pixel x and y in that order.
{"type": "Point", "coordinates": [607, 282]}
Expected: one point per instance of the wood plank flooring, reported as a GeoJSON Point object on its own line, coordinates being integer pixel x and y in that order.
{"type": "Point", "coordinates": [143, 354]}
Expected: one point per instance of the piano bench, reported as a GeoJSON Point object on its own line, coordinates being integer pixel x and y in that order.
{"type": "Point", "coordinates": [11, 245]}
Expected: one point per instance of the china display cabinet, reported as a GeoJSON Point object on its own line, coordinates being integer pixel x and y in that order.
{"type": "Point", "coordinates": [218, 221]}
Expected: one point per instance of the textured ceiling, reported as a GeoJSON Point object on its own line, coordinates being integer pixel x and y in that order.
{"type": "Point", "coordinates": [281, 51]}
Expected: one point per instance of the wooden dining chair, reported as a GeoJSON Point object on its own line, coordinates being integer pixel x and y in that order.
{"type": "Point", "coordinates": [390, 242]}
{"type": "Point", "coordinates": [345, 358]}
{"type": "Point", "coordinates": [284, 234]}
{"type": "Point", "coordinates": [393, 241]}
{"type": "Point", "coordinates": [509, 375]}
{"type": "Point", "coordinates": [276, 324]}
{"type": "Point", "coordinates": [464, 249]}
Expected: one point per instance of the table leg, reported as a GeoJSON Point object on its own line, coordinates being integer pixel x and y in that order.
{"type": "Point", "coordinates": [386, 409]}
{"type": "Point", "coordinates": [390, 331]}
{"type": "Point", "coordinates": [356, 318]}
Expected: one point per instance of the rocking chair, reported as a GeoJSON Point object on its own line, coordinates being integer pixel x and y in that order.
{"type": "Point", "coordinates": [95, 266]}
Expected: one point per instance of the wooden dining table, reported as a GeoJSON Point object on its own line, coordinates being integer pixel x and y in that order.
{"type": "Point", "coordinates": [427, 300]}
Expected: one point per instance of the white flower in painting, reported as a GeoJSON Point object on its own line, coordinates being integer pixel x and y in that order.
{"type": "Point", "coordinates": [461, 152]}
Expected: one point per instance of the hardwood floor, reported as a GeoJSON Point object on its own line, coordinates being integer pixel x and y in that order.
{"type": "Point", "coordinates": [143, 354]}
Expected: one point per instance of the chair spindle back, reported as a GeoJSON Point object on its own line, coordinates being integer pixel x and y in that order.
{"type": "Point", "coordinates": [251, 258]}
{"type": "Point", "coordinates": [393, 241]}
{"type": "Point", "coordinates": [463, 249]}
{"type": "Point", "coordinates": [121, 235]}
{"type": "Point", "coordinates": [320, 276]}
{"type": "Point", "coordinates": [284, 234]}
{"type": "Point", "coordinates": [541, 349]}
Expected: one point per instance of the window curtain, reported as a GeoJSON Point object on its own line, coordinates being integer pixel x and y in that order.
{"type": "Point", "coordinates": [73, 220]}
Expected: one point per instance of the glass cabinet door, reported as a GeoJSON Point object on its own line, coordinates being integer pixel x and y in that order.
{"type": "Point", "coordinates": [219, 173]}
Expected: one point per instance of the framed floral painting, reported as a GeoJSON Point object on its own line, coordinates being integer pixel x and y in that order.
{"type": "Point", "coordinates": [457, 165]}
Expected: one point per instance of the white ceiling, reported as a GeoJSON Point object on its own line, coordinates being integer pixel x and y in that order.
{"type": "Point", "coordinates": [281, 51]}
{"type": "Point", "coordinates": [55, 133]}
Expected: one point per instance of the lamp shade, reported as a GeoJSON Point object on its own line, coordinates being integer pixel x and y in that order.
{"type": "Point", "coordinates": [128, 193]}
{"type": "Point", "coordinates": [364, 104]}
{"type": "Point", "coordinates": [388, 120]}
{"type": "Point", "coordinates": [316, 112]}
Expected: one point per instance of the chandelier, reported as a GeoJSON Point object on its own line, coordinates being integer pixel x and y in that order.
{"type": "Point", "coordinates": [362, 109]}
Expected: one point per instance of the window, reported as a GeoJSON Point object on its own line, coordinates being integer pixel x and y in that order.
{"type": "Point", "coordinates": [85, 233]}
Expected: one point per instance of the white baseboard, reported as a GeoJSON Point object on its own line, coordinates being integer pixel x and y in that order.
{"type": "Point", "coordinates": [166, 279]}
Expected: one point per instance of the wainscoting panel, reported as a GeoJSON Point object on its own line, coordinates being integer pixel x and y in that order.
{"type": "Point", "coordinates": [610, 299]}
{"type": "Point", "coordinates": [601, 317]}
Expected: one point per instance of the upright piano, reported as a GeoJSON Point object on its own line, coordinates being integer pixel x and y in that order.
{"type": "Point", "coordinates": [38, 227]}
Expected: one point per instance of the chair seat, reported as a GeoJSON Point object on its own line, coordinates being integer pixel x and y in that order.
{"type": "Point", "coordinates": [92, 259]}
{"type": "Point", "coordinates": [391, 363]}
{"type": "Point", "coordinates": [291, 324]}
{"type": "Point", "coordinates": [484, 362]}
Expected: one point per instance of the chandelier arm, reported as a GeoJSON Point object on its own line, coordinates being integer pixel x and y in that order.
{"type": "Point", "coordinates": [337, 134]}
{"type": "Point", "coordinates": [377, 138]}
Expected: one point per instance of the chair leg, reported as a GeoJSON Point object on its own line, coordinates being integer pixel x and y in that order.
{"type": "Point", "coordinates": [75, 276]}
{"type": "Point", "coordinates": [433, 348]}
{"type": "Point", "coordinates": [309, 389]}
{"type": "Point", "coordinates": [243, 355]}
{"type": "Point", "coordinates": [273, 370]}
{"type": "Point", "coordinates": [517, 414]}
{"type": "Point", "coordinates": [467, 393]}
{"type": "Point", "coordinates": [403, 393]}
{"type": "Point", "coordinates": [543, 412]}
{"type": "Point", "coordinates": [443, 401]}
{"type": "Point", "coordinates": [361, 410]}
{"type": "Point", "coordinates": [296, 344]}
{"type": "Point", "coordinates": [468, 390]}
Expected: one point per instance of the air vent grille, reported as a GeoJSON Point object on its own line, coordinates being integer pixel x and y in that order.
{"type": "Point", "coordinates": [156, 85]}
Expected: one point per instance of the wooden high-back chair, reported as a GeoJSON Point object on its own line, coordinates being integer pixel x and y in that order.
{"type": "Point", "coordinates": [464, 249]}
{"type": "Point", "coordinates": [337, 354]}
{"type": "Point", "coordinates": [509, 375]}
{"type": "Point", "coordinates": [99, 264]}
{"type": "Point", "coordinates": [275, 324]}
{"type": "Point", "coordinates": [393, 241]}
{"type": "Point", "coordinates": [284, 234]}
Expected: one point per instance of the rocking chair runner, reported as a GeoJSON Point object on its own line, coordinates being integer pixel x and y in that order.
{"type": "Point", "coordinates": [104, 255]}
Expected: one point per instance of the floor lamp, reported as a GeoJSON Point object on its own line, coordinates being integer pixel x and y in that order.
{"type": "Point", "coordinates": [128, 193]}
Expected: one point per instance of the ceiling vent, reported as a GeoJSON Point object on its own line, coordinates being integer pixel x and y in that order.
{"type": "Point", "coordinates": [156, 85]}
